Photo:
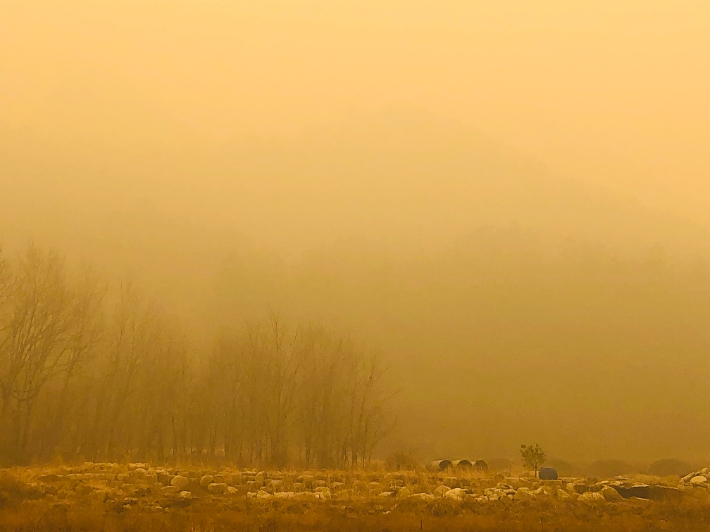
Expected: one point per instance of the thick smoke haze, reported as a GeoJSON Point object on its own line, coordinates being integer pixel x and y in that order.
{"type": "Point", "coordinates": [508, 201]}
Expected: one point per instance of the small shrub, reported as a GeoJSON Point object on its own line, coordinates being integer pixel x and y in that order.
{"type": "Point", "coordinates": [402, 461]}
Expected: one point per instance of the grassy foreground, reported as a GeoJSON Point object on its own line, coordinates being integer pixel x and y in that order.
{"type": "Point", "coordinates": [438, 516]}
{"type": "Point", "coordinates": [80, 499]}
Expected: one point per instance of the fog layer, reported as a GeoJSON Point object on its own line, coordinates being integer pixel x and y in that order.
{"type": "Point", "coordinates": [508, 200]}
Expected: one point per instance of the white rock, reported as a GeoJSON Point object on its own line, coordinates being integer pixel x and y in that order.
{"type": "Point", "coordinates": [138, 473]}
{"type": "Point", "coordinates": [699, 480]}
{"type": "Point", "coordinates": [322, 493]}
{"type": "Point", "coordinates": [610, 494]}
{"type": "Point", "coordinates": [422, 496]}
{"type": "Point", "coordinates": [592, 497]}
{"type": "Point", "coordinates": [441, 490]}
{"type": "Point", "coordinates": [217, 488]}
{"type": "Point", "coordinates": [185, 495]}
{"type": "Point", "coordinates": [456, 494]}
{"type": "Point", "coordinates": [562, 494]}
{"type": "Point", "coordinates": [179, 482]}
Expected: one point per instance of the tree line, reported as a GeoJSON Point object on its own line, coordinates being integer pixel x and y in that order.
{"type": "Point", "coordinates": [99, 372]}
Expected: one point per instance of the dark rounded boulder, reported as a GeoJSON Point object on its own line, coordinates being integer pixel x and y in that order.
{"type": "Point", "coordinates": [547, 473]}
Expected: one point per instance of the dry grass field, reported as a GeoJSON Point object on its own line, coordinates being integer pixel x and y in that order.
{"type": "Point", "coordinates": [140, 497]}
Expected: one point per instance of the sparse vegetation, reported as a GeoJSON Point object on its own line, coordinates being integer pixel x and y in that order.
{"type": "Point", "coordinates": [533, 456]}
{"type": "Point", "coordinates": [140, 497]}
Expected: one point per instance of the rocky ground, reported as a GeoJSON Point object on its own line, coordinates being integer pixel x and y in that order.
{"type": "Point", "coordinates": [43, 495]}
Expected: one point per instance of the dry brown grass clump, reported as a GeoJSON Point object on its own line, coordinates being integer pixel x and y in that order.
{"type": "Point", "coordinates": [205, 516]}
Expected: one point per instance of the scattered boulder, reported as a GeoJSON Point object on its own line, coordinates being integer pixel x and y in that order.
{"type": "Point", "coordinates": [422, 497]}
{"type": "Point", "coordinates": [441, 490]}
{"type": "Point", "coordinates": [206, 480]}
{"type": "Point", "coordinates": [610, 494]}
{"type": "Point", "coordinates": [523, 494]}
{"type": "Point", "coordinates": [456, 494]}
{"type": "Point", "coordinates": [592, 497]}
{"type": "Point", "coordinates": [562, 495]}
{"type": "Point", "coordinates": [217, 488]}
{"type": "Point", "coordinates": [666, 493]}
{"type": "Point", "coordinates": [323, 493]}
{"type": "Point", "coordinates": [547, 473]}
{"type": "Point", "coordinates": [640, 491]}
{"type": "Point", "coordinates": [579, 489]}
{"type": "Point", "coordinates": [179, 482]}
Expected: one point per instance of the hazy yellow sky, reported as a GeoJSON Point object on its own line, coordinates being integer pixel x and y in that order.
{"type": "Point", "coordinates": [612, 92]}
{"type": "Point", "coordinates": [378, 165]}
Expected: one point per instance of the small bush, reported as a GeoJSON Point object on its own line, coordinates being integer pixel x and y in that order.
{"type": "Point", "coordinates": [402, 461]}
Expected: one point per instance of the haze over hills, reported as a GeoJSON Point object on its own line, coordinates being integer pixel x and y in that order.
{"type": "Point", "coordinates": [511, 304]}
{"type": "Point", "coordinates": [376, 176]}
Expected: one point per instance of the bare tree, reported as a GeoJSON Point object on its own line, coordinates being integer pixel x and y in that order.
{"type": "Point", "coordinates": [35, 340]}
{"type": "Point", "coordinates": [83, 338]}
{"type": "Point", "coordinates": [86, 372]}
